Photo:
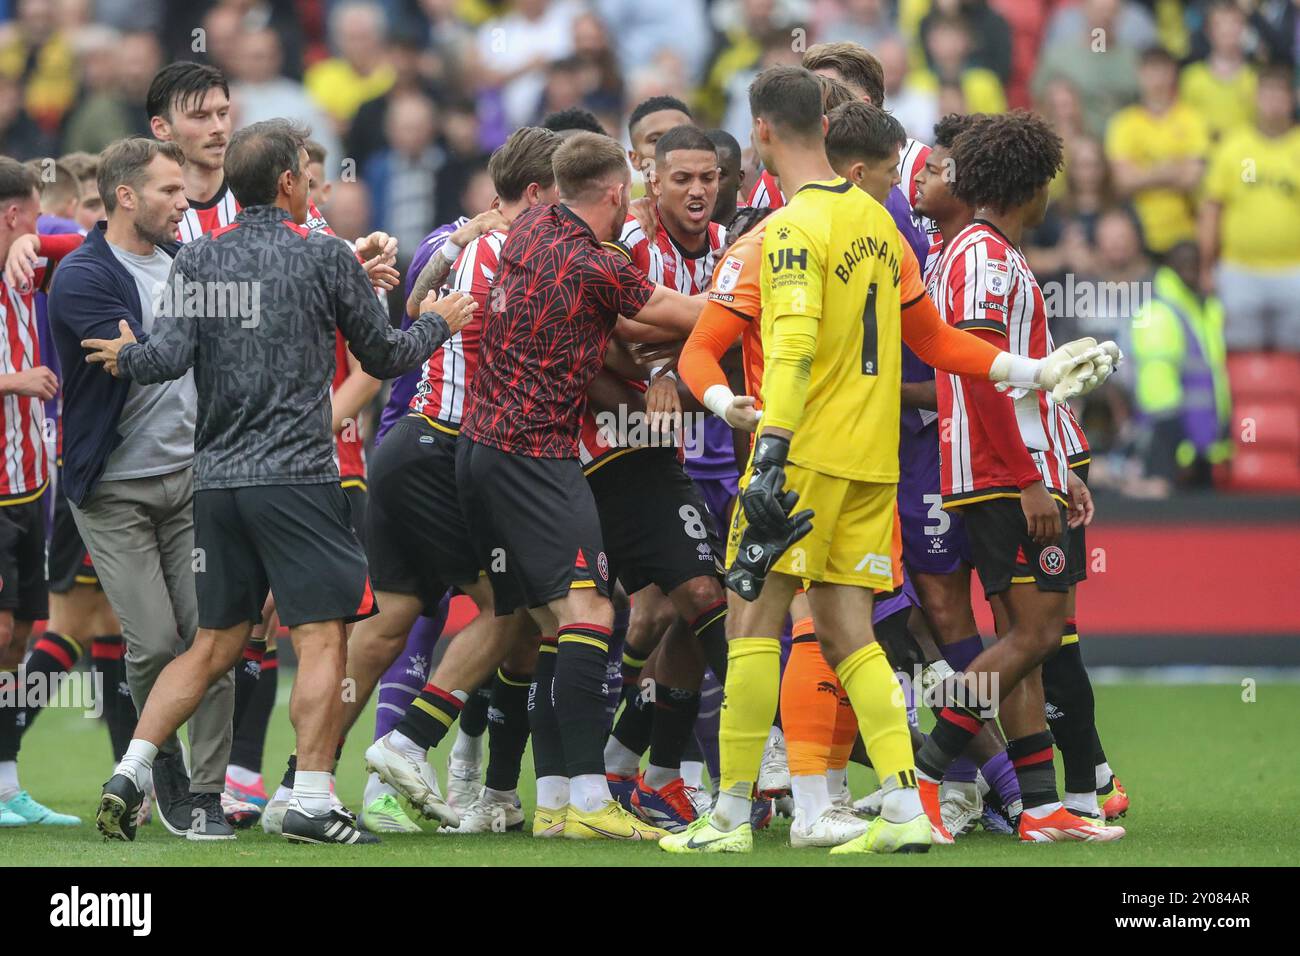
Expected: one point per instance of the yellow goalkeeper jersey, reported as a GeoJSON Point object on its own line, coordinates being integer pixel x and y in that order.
{"type": "Point", "coordinates": [834, 256]}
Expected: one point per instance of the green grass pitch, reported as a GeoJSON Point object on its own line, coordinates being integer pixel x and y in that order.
{"type": "Point", "coordinates": [1212, 778]}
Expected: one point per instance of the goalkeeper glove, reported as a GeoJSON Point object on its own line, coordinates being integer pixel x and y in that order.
{"type": "Point", "coordinates": [758, 552]}
{"type": "Point", "coordinates": [764, 498]}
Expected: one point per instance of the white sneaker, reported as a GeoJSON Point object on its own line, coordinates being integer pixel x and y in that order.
{"type": "Point", "coordinates": [774, 771]}
{"type": "Point", "coordinates": [961, 806]}
{"type": "Point", "coordinates": [489, 814]}
{"type": "Point", "coordinates": [273, 816]}
{"type": "Point", "coordinates": [464, 783]}
{"type": "Point", "coordinates": [870, 804]}
{"type": "Point", "coordinates": [701, 799]}
{"type": "Point", "coordinates": [413, 779]}
{"type": "Point", "coordinates": [836, 825]}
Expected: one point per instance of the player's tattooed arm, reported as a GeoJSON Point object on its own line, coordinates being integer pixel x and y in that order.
{"type": "Point", "coordinates": [386, 352]}
{"type": "Point", "coordinates": [436, 270]}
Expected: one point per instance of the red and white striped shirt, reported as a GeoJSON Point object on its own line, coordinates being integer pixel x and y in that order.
{"type": "Point", "coordinates": [1077, 450]}
{"type": "Point", "coordinates": [440, 394]}
{"type": "Point", "coordinates": [22, 443]}
{"type": "Point", "coordinates": [664, 262]}
{"type": "Point", "coordinates": [985, 283]}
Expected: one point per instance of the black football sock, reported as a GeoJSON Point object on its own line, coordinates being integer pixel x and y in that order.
{"type": "Point", "coordinates": [581, 652]}
{"type": "Point", "coordinates": [633, 662]}
{"type": "Point", "coordinates": [10, 716]}
{"type": "Point", "coordinates": [1071, 712]}
{"type": "Point", "coordinates": [249, 744]}
{"type": "Point", "coordinates": [1032, 758]}
{"type": "Point", "coordinates": [635, 724]}
{"type": "Point", "coordinates": [954, 729]}
{"type": "Point", "coordinates": [53, 655]}
{"type": "Point", "coordinates": [675, 711]}
{"type": "Point", "coordinates": [710, 629]}
{"type": "Point", "coordinates": [507, 729]}
{"type": "Point", "coordinates": [108, 660]}
{"type": "Point", "coordinates": [548, 748]}
{"type": "Point", "coordinates": [430, 716]}
{"type": "Point", "coordinates": [248, 673]}
{"type": "Point", "coordinates": [474, 715]}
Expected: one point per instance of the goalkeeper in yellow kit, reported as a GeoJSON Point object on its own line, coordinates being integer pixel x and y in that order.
{"type": "Point", "coordinates": [841, 291]}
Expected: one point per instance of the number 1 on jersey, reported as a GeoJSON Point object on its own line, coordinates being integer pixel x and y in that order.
{"type": "Point", "coordinates": [869, 336]}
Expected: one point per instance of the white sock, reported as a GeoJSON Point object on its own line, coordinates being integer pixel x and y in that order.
{"type": "Point", "coordinates": [243, 776]}
{"type": "Point", "coordinates": [693, 773]}
{"type": "Point", "coordinates": [837, 781]}
{"type": "Point", "coordinates": [1085, 803]}
{"type": "Point", "coordinates": [900, 804]}
{"type": "Point", "coordinates": [311, 790]}
{"type": "Point", "coordinates": [658, 777]}
{"type": "Point", "coordinates": [1046, 810]}
{"type": "Point", "coordinates": [589, 792]}
{"type": "Point", "coordinates": [776, 737]}
{"type": "Point", "coordinates": [1103, 775]}
{"type": "Point", "coordinates": [553, 792]}
{"type": "Point", "coordinates": [376, 788]}
{"type": "Point", "coordinates": [283, 793]}
{"type": "Point", "coordinates": [983, 784]}
{"type": "Point", "coordinates": [407, 747]}
{"type": "Point", "coordinates": [137, 763]}
{"type": "Point", "coordinates": [730, 812]}
{"type": "Point", "coordinates": [466, 748]}
{"type": "Point", "coordinates": [501, 796]}
{"type": "Point", "coordinates": [619, 760]}
{"type": "Point", "coordinates": [812, 796]}
{"type": "Point", "coordinates": [9, 780]}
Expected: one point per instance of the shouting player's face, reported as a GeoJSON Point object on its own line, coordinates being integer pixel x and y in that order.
{"type": "Point", "coordinates": [159, 202]}
{"type": "Point", "coordinates": [201, 127]}
{"type": "Point", "coordinates": [686, 187]}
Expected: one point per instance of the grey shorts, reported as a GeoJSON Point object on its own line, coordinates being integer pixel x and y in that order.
{"type": "Point", "coordinates": [1261, 308]}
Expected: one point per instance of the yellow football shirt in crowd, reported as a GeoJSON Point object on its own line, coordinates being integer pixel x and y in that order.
{"type": "Point", "coordinates": [1137, 136]}
{"type": "Point", "coordinates": [1257, 180]}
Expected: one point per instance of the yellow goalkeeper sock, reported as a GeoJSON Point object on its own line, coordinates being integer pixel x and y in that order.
{"type": "Point", "coordinates": [882, 713]}
{"type": "Point", "coordinates": [748, 706]}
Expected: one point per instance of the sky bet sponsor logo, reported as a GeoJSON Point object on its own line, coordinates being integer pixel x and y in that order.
{"type": "Point", "coordinates": [77, 909]}
{"type": "Point", "coordinates": [867, 247]}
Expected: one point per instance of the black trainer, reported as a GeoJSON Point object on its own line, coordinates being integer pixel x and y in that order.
{"type": "Point", "coordinates": [333, 827]}
{"type": "Point", "coordinates": [171, 790]}
{"type": "Point", "coordinates": [209, 820]}
{"type": "Point", "coordinates": [119, 802]}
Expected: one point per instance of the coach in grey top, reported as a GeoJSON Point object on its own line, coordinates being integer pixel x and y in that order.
{"type": "Point", "coordinates": [253, 308]}
{"type": "Point", "coordinates": [128, 456]}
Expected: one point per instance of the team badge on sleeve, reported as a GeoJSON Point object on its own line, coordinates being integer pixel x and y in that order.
{"type": "Point", "coordinates": [997, 276]}
{"type": "Point", "coordinates": [729, 274]}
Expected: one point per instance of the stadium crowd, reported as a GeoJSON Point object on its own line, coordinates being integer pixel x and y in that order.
{"type": "Point", "coordinates": [442, 136]}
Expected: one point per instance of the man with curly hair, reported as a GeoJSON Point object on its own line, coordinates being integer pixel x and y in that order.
{"type": "Point", "coordinates": [1004, 466]}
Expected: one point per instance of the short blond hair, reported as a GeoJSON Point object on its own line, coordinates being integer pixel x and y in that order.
{"type": "Point", "coordinates": [853, 62]}
{"type": "Point", "coordinates": [586, 162]}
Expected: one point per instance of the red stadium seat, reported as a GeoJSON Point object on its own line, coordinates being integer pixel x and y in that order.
{"type": "Point", "coordinates": [1273, 425]}
{"type": "Point", "coordinates": [1262, 469]}
{"type": "Point", "coordinates": [1264, 375]}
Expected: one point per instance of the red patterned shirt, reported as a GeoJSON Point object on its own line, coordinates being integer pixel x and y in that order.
{"type": "Point", "coordinates": [557, 296]}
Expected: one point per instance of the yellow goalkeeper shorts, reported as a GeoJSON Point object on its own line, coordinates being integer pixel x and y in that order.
{"type": "Point", "coordinates": [852, 535]}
